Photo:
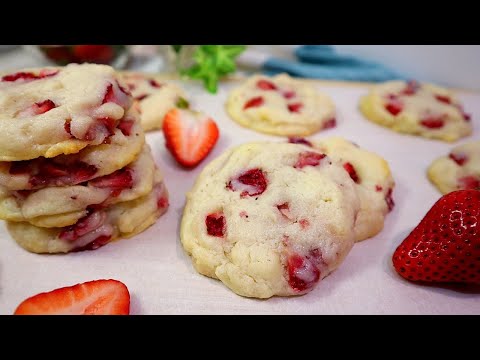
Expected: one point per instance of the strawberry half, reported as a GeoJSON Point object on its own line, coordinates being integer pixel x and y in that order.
{"type": "Point", "coordinates": [445, 246]}
{"type": "Point", "coordinates": [98, 297]}
{"type": "Point", "coordinates": [189, 135]}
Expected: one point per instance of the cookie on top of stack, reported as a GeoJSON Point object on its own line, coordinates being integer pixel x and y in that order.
{"type": "Point", "coordinates": [75, 171]}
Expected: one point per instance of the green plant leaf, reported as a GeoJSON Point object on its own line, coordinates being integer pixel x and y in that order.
{"type": "Point", "coordinates": [213, 62]}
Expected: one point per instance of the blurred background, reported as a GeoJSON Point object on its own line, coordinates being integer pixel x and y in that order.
{"type": "Point", "coordinates": [449, 65]}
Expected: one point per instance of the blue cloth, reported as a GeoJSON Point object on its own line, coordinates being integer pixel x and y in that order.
{"type": "Point", "coordinates": [322, 62]}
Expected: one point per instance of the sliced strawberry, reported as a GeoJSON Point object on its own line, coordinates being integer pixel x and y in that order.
{"type": "Point", "coordinates": [216, 224]}
{"type": "Point", "coordinates": [433, 121]}
{"type": "Point", "coordinates": [125, 127]}
{"type": "Point", "coordinates": [83, 226]}
{"type": "Point", "coordinates": [459, 158]}
{"type": "Point", "coordinates": [254, 102]}
{"type": "Point", "coordinates": [295, 108]}
{"type": "Point", "coordinates": [98, 297]}
{"type": "Point", "coordinates": [445, 245]}
{"type": "Point", "coordinates": [394, 106]}
{"type": "Point", "coordinates": [308, 158]}
{"type": "Point", "coordinates": [189, 135]}
{"type": "Point", "coordinates": [444, 99]}
{"type": "Point", "coordinates": [101, 54]}
{"type": "Point", "coordinates": [331, 123]}
{"type": "Point", "coordinates": [469, 182]}
{"type": "Point", "coordinates": [251, 183]}
{"type": "Point", "coordinates": [299, 140]}
{"type": "Point", "coordinates": [266, 85]}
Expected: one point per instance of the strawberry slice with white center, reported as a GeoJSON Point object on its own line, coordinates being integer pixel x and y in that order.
{"type": "Point", "coordinates": [189, 135]}
{"type": "Point", "coordinates": [98, 297]}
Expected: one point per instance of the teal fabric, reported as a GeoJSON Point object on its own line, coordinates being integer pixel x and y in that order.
{"type": "Point", "coordinates": [323, 62]}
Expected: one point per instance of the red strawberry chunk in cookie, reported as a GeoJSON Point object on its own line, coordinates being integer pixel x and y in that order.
{"type": "Point", "coordinates": [45, 172]}
{"type": "Point", "coordinates": [266, 85]}
{"type": "Point", "coordinates": [216, 225]}
{"type": "Point", "coordinates": [254, 102]}
{"type": "Point", "coordinates": [295, 107]}
{"type": "Point", "coordinates": [469, 182]}
{"type": "Point", "coordinates": [433, 121]}
{"type": "Point", "coordinates": [38, 108]}
{"type": "Point", "coordinates": [284, 210]}
{"type": "Point", "coordinates": [444, 99]}
{"type": "Point", "coordinates": [154, 83]}
{"type": "Point", "coordinates": [459, 158]}
{"type": "Point", "coordinates": [394, 106]}
{"type": "Point", "coordinates": [250, 183]}
{"type": "Point", "coordinates": [389, 199]}
{"type": "Point", "coordinates": [44, 106]}
{"type": "Point", "coordinates": [304, 223]}
{"type": "Point", "coordinates": [102, 240]}
{"type": "Point", "coordinates": [125, 127]}
{"type": "Point", "coordinates": [308, 158]}
{"type": "Point", "coordinates": [351, 171]}
{"type": "Point", "coordinates": [303, 272]}
{"type": "Point", "coordinates": [299, 140]}
{"type": "Point", "coordinates": [411, 88]}
{"type": "Point", "coordinates": [289, 94]}
{"type": "Point", "coordinates": [83, 226]}
{"type": "Point", "coordinates": [29, 76]}
{"type": "Point", "coordinates": [117, 182]}
{"type": "Point", "coordinates": [331, 123]}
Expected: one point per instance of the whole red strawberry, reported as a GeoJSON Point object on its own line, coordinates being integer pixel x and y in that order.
{"type": "Point", "coordinates": [445, 246]}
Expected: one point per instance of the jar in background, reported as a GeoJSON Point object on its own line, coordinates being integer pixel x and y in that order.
{"type": "Point", "coordinates": [114, 55]}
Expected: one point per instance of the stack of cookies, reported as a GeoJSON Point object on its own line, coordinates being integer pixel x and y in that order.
{"type": "Point", "coordinates": [75, 171]}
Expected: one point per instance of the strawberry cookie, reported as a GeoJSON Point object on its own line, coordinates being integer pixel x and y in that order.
{"type": "Point", "coordinates": [66, 170]}
{"type": "Point", "coordinates": [64, 206]}
{"type": "Point", "coordinates": [153, 99]}
{"type": "Point", "coordinates": [460, 169]}
{"type": "Point", "coordinates": [281, 105]}
{"type": "Point", "coordinates": [270, 219]}
{"type": "Point", "coordinates": [52, 111]}
{"type": "Point", "coordinates": [373, 179]}
{"type": "Point", "coordinates": [417, 108]}
{"type": "Point", "coordinates": [99, 227]}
